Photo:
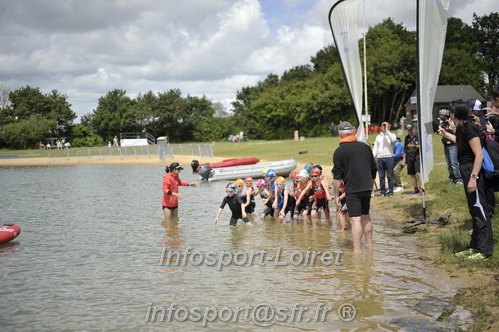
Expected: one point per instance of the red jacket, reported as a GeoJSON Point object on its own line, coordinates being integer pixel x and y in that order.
{"type": "Point", "coordinates": [171, 182]}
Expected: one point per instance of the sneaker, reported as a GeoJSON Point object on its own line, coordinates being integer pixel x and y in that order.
{"type": "Point", "coordinates": [459, 182]}
{"type": "Point", "coordinates": [415, 192]}
{"type": "Point", "coordinates": [398, 189]}
{"type": "Point", "coordinates": [452, 182]}
{"type": "Point", "coordinates": [382, 194]}
{"type": "Point", "coordinates": [478, 256]}
{"type": "Point", "coordinates": [465, 253]}
{"type": "Point", "coordinates": [390, 195]}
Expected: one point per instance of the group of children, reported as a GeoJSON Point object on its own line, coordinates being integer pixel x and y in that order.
{"type": "Point", "coordinates": [306, 199]}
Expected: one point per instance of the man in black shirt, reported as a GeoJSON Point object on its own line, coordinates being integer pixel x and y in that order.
{"type": "Point", "coordinates": [411, 158]}
{"type": "Point", "coordinates": [236, 206]}
{"type": "Point", "coordinates": [354, 164]}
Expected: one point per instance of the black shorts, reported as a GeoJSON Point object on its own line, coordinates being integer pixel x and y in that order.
{"type": "Point", "coordinates": [321, 203]}
{"type": "Point", "coordinates": [170, 208]}
{"type": "Point", "coordinates": [358, 203]}
{"type": "Point", "coordinates": [233, 220]}
{"type": "Point", "coordinates": [304, 205]}
{"type": "Point", "coordinates": [268, 211]}
{"type": "Point", "coordinates": [413, 166]}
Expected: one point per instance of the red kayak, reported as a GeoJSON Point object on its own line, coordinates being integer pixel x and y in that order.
{"type": "Point", "coordinates": [9, 232]}
{"type": "Point", "coordinates": [233, 162]}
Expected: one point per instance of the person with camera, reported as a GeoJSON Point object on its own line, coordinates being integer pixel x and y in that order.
{"type": "Point", "coordinates": [450, 148]}
{"type": "Point", "coordinates": [383, 150]}
{"type": "Point", "coordinates": [467, 137]}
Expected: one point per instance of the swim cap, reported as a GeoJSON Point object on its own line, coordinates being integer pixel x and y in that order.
{"type": "Point", "coordinates": [303, 173]}
{"type": "Point", "coordinates": [280, 180]}
{"type": "Point", "coordinates": [230, 185]}
{"type": "Point", "coordinates": [260, 183]}
{"type": "Point", "coordinates": [239, 182]}
{"type": "Point", "coordinates": [294, 176]}
{"type": "Point", "coordinates": [265, 170]}
{"type": "Point", "coordinates": [248, 179]}
{"type": "Point", "coordinates": [316, 171]}
{"type": "Point", "coordinates": [270, 173]}
{"type": "Point", "coordinates": [308, 168]}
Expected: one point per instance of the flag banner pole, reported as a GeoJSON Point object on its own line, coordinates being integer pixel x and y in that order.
{"type": "Point", "coordinates": [344, 23]}
{"type": "Point", "coordinates": [431, 29]}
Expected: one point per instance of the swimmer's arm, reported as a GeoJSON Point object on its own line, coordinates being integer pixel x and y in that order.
{"type": "Point", "coordinates": [218, 215]}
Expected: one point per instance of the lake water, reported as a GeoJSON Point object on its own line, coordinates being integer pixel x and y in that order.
{"type": "Point", "coordinates": [91, 256]}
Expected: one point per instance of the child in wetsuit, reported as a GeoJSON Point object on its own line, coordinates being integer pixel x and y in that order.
{"type": "Point", "coordinates": [283, 201]}
{"type": "Point", "coordinates": [341, 210]}
{"type": "Point", "coordinates": [235, 204]}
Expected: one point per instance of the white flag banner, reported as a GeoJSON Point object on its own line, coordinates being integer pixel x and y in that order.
{"type": "Point", "coordinates": [432, 27]}
{"type": "Point", "coordinates": [344, 22]}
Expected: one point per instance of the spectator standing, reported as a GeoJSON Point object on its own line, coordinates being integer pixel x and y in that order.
{"type": "Point", "coordinates": [383, 150]}
{"type": "Point", "coordinates": [398, 159]}
{"type": "Point", "coordinates": [468, 140]}
{"type": "Point", "coordinates": [115, 141]}
{"type": "Point", "coordinates": [354, 165]}
{"type": "Point", "coordinates": [411, 158]}
{"type": "Point", "coordinates": [450, 149]}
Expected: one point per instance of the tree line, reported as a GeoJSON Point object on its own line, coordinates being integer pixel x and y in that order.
{"type": "Point", "coordinates": [306, 97]}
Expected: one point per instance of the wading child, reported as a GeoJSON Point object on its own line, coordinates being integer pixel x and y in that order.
{"type": "Point", "coordinates": [305, 198]}
{"type": "Point", "coordinates": [235, 204]}
{"type": "Point", "coordinates": [318, 185]}
{"type": "Point", "coordinates": [341, 209]}
{"type": "Point", "coordinates": [283, 202]}
{"type": "Point", "coordinates": [269, 192]}
{"type": "Point", "coordinates": [249, 202]}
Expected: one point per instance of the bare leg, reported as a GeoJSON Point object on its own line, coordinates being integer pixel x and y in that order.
{"type": "Point", "coordinates": [356, 233]}
{"type": "Point", "coordinates": [314, 218]}
{"type": "Point", "coordinates": [367, 230]}
{"type": "Point", "coordinates": [170, 214]}
{"type": "Point", "coordinates": [328, 219]}
{"type": "Point", "coordinates": [340, 221]}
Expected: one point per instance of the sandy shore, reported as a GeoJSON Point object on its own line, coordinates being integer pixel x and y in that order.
{"type": "Point", "coordinates": [184, 160]}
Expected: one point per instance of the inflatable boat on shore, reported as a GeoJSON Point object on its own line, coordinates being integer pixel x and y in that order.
{"type": "Point", "coordinates": [282, 168]}
{"type": "Point", "coordinates": [233, 162]}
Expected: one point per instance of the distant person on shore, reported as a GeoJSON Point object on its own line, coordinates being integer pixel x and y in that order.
{"type": "Point", "coordinates": [411, 159]}
{"type": "Point", "coordinates": [115, 141]}
{"type": "Point", "coordinates": [354, 165]}
{"type": "Point", "coordinates": [171, 181]}
{"type": "Point", "coordinates": [398, 159]}
{"type": "Point", "coordinates": [383, 150]}
{"type": "Point", "coordinates": [236, 206]}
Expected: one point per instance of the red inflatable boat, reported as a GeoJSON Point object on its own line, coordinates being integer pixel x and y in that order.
{"type": "Point", "coordinates": [233, 162]}
{"type": "Point", "coordinates": [9, 232]}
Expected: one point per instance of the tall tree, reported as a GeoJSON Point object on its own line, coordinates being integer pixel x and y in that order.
{"type": "Point", "coordinates": [108, 118]}
{"type": "Point", "coordinates": [486, 35]}
{"type": "Point", "coordinates": [391, 69]}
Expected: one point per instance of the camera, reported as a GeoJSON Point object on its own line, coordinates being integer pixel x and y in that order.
{"type": "Point", "coordinates": [444, 124]}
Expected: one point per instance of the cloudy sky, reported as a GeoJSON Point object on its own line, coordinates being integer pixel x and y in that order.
{"type": "Point", "coordinates": [85, 48]}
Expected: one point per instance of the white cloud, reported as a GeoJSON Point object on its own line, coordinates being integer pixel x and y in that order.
{"type": "Point", "coordinates": [85, 48]}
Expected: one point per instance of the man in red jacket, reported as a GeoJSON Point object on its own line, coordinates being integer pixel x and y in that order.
{"type": "Point", "coordinates": [171, 181]}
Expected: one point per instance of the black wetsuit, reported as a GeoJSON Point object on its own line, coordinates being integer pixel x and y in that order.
{"type": "Point", "coordinates": [234, 203]}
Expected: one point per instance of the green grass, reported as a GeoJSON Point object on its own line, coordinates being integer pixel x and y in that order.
{"type": "Point", "coordinates": [319, 150]}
